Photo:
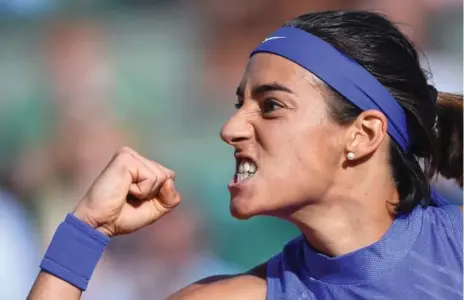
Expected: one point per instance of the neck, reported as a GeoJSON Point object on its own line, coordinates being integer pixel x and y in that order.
{"type": "Point", "coordinates": [350, 218]}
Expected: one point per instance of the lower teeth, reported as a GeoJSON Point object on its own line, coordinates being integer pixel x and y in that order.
{"type": "Point", "coordinates": [242, 176]}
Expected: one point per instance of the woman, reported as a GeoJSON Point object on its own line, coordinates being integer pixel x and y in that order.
{"type": "Point", "coordinates": [334, 112]}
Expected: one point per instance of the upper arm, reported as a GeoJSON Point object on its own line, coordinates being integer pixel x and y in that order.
{"type": "Point", "coordinates": [250, 285]}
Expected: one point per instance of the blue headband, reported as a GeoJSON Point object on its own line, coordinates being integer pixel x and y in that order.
{"type": "Point", "coordinates": [341, 73]}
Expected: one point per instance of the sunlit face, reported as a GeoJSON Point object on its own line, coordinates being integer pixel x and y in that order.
{"type": "Point", "coordinates": [281, 129]}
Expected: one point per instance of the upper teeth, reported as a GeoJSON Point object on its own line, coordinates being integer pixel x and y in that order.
{"type": "Point", "coordinates": [247, 167]}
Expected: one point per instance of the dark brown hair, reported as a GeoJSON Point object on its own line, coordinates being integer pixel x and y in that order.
{"type": "Point", "coordinates": [434, 119]}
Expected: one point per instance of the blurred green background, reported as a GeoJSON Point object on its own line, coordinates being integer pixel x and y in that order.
{"type": "Point", "coordinates": [79, 79]}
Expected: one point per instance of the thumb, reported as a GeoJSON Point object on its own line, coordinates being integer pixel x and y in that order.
{"type": "Point", "coordinates": [168, 195]}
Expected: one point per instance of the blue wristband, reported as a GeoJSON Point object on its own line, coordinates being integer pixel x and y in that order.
{"type": "Point", "coordinates": [74, 252]}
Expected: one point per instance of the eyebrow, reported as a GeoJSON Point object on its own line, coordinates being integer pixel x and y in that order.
{"type": "Point", "coordinates": [263, 88]}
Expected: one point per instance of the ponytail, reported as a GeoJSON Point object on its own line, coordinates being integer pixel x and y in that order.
{"type": "Point", "coordinates": [449, 132]}
{"type": "Point", "coordinates": [434, 120]}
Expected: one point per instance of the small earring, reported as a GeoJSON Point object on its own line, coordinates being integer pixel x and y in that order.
{"type": "Point", "coordinates": [350, 156]}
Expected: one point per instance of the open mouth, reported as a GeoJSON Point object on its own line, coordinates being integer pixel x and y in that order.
{"type": "Point", "coordinates": [245, 169]}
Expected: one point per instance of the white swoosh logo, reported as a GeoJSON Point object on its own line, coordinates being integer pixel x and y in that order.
{"type": "Point", "coordinates": [273, 38]}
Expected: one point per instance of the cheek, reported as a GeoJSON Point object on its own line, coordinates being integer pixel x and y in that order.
{"type": "Point", "coordinates": [302, 160]}
{"type": "Point", "coordinates": [316, 141]}
{"type": "Point", "coordinates": [318, 146]}
{"type": "Point", "coordinates": [317, 156]}
{"type": "Point", "coordinates": [302, 144]}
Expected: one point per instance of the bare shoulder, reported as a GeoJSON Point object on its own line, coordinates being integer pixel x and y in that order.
{"type": "Point", "coordinates": [249, 285]}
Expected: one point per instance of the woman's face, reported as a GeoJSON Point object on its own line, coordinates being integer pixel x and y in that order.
{"type": "Point", "coordinates": [283, 131]}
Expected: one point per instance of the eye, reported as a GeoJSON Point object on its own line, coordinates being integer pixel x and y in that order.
{"type": "Point", "coordinates": [269, 105]}
{"type": "Point", "coordinates": [239, 104]}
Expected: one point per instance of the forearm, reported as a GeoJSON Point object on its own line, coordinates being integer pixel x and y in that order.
{"type": "Point", "coordinates": [49, 287]}
{"type": "Point", "coordinates": [69, 261]}
{"type": "Point", "coordinates": [80, 240]}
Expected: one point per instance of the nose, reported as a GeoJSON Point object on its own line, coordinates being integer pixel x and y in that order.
{"type": "Point", "coordinates": [237, 130]}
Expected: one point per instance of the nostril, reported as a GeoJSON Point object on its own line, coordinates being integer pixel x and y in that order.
{"type": "Point", "coordinates": [238, 139]}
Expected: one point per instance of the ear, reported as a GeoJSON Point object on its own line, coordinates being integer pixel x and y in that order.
{"type": "Point", "coordinates": [366, 133]}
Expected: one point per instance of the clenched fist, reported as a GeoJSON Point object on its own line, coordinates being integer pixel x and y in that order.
{"type": "Point", "coordinates": [130, 193]}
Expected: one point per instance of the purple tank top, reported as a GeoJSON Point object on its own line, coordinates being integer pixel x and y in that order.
{"type": "Point", "coordinates": [419, 257]}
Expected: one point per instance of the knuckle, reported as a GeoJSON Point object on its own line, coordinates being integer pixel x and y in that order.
{"type": "Point", "coordinates": [154, 164]}
{"type": "Point", "coordinates": [123, 150]}
{"type": "Point", "coordinates": [159, 170]}
{"type": "Point", "coordinates": [169, 173]}
{"type": "Point", "coordinates": [162, 177]}
{"type": "Point", "coordinates": [154, 179]}
{"type": "Point", "coordinates": [122, 159]}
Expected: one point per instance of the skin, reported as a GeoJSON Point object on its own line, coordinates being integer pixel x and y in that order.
{"type": "Point", "coordinates": [303, 176]}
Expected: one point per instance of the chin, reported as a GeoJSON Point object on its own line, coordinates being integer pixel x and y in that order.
{"type": "Point", "coordinates": [242, 208]}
